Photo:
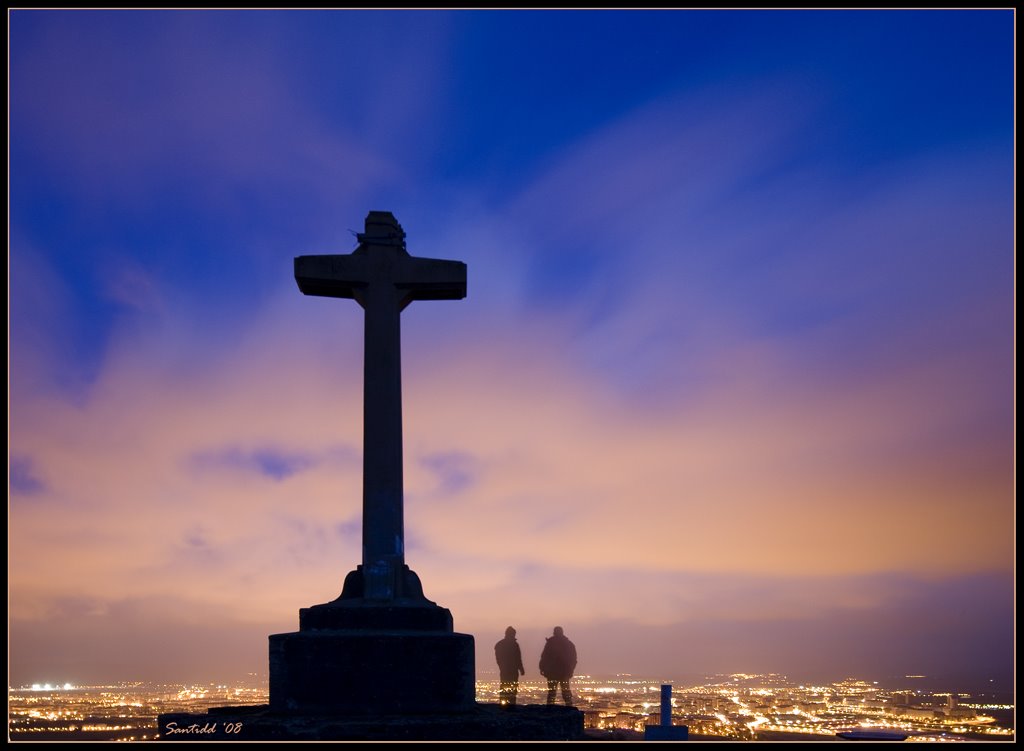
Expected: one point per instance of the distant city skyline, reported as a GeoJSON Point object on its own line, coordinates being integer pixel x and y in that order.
{"type": "Point", "coordinates": [740, 706]}
{"type": "Point", "coordinates": [731, 390]}
{"type": "Point", "coordinates": [925, 684]}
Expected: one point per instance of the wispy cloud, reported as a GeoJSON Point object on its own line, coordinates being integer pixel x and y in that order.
{"type": "Point", "coordinates": [23, 477]}
{"type": "Point", "coordinates": [271, 462]}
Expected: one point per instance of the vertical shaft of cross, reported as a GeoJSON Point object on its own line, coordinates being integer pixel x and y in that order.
{"type": "Point", "coordinates": [383, 528]}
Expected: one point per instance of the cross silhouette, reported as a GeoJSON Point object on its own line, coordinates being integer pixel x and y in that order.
{"type": "Point", "coordinates": [383, 278]}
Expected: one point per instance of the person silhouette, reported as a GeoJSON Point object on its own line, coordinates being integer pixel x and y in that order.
{"type": "Point", "coordinates": [510, 667]}
{"type": "Point", "coordinates": [557, 663]}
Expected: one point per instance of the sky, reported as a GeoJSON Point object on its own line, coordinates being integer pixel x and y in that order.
{"type": "Point", "coordinates": [731, 390]}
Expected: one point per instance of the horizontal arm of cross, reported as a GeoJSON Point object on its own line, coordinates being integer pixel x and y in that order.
{"type": "Point", "coordinates": [331, 276]}
{"type": "Point", "coordinates": [346, 275]}
{"type": "Point", "coordinates": [432, 279]}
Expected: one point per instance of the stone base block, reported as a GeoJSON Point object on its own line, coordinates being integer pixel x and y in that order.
{"type": "Point", "coordinates": [371, 672]}
{"type": "Point", "coordinates": [361, 615]}
{"type": "Point", "coordinates": [666, 733]}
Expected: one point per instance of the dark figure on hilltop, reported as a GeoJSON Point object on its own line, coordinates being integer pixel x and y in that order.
{"type": "Point", "coordinates": [510, 666]}
{"type": "Point", "coordinates": [557, 663]}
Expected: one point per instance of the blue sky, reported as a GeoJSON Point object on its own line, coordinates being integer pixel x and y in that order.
{"type": "Point", "coordinates": [739, 328]}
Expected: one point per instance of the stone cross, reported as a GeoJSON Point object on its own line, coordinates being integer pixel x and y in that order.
{"type": "Point", "coordinates": [383, 278]}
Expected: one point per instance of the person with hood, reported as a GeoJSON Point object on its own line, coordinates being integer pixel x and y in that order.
{"type": "Point", "coordinates": [510, 667]}
{"type": "Point", "coordinates": [557, 663]}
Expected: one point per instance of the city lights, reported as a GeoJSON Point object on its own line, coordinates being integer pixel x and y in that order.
{"type": "Point", "coordinates": [736, 706]}
{"type": "Point", "coordinates": [745, 706]}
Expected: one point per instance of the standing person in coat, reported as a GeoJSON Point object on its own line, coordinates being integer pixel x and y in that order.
{"type": "Point", "coordinates": [510, 667]}
{"type": "Point", "coordinates": [557, 663]}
